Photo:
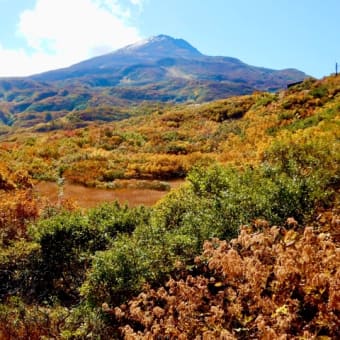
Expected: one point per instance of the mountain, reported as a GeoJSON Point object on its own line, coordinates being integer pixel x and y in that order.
{"type": "Point", "coordinates": [158, 69]}
{"type": "Point", "coordinates": [163, 58]}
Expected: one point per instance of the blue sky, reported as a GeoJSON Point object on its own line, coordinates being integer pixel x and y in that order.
{"type": "Point", "coordinates": [38, 35]}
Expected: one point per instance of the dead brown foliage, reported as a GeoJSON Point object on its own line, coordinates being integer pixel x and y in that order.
{"type": "Point", "coordinates": [273, 284]}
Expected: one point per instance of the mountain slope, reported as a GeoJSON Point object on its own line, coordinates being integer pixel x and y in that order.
{"type": "Point", "coordinates": [158, 69]}
{"type": "Point", "coordinates": [163, 58]}
{"type": "Point", "coordinates": [168, 141]}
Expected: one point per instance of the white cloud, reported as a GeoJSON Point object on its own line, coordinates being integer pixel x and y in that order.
{"type": "Point", "coordinates": [21, 63]}
{"type": "Point", "coordinates": [60, 33]}
{"type": "Point", "coordinates": [138, 3]}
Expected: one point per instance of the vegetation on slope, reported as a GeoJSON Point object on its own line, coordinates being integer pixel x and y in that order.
{"type": "Point", "coordinates": [159, 70]}
{"type": "Point", "coordinates": [113, 272]}
{"type": "Point", "coordinates": [167, 142]}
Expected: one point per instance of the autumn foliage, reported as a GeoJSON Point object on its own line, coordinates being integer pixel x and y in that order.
{"type": "Point", "coordinates": [17, 203]}
{"type": "Point", "coordinates": [247, 248]}
{"type": "Point", "coordinates": [271, 284]}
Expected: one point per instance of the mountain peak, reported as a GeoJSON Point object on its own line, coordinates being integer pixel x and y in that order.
{"type": "Point", "coordinates": [167, 61]}
{"type": "Point", "coordinates": [161, 46]}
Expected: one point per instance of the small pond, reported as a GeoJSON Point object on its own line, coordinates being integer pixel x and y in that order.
{"type": "Point", "coordinates": [86, 197]}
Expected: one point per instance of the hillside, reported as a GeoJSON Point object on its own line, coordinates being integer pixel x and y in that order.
{"type": "Point", "coordinates": [247, 248]}
{"type": "Point", "coordinates": [111, 87]}
{"type": "Point", "coordinates": [167, 142]}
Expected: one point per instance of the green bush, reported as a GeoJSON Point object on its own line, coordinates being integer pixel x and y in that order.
{"type": "Point", "coordinates": [116, 273]}
{"type": "Point", "coordinates": [68, 241]}
{"type": "Point", "coordinates": [112, 218]}
{"type": "Point", "coordinates": [17, 270]}
{"type": "Point", "coordinates": [169, 242]}
{"type": "Point", "coordinates": [319, 92]}
{"type": "Point", "coordinates": [294, 179]}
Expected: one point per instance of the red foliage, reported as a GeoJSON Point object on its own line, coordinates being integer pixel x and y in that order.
{"type": "Point", "coordinates": [17, 204]}
{"type": "Point", "coordinates": [16, 210]}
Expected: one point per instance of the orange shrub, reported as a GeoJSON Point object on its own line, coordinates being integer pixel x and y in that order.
{"type": "Point", "coordinates": [16, 210]}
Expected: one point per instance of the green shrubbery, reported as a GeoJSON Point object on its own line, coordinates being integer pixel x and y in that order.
{"type": "Point", "coordinates": [53, 265]}
{"type": "Point", "coordinates": [105, 256]}
{"type": "Point", "coordinates": [292, 182]}
{"type": "Point", "coordinates": [111, 251]}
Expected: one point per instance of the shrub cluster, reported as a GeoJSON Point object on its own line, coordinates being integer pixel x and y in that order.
{"type": "Point", "coordinates": [276, 284]}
